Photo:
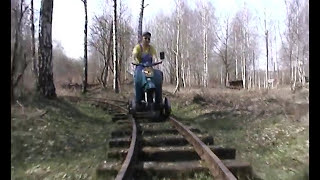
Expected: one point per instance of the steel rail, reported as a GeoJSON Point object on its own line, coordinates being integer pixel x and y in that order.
{"type": "Point", "coordinates": [217, 168]}
{"type": "Point", "coordinates": [125, 172]}
{"type": "Point", "coordinates": [215, 165]}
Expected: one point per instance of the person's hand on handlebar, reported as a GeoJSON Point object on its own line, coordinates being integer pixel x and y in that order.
{"type": "Point", "coordinates": [156, 63]}
{"type": "Point", "coordinates": [135, 62]}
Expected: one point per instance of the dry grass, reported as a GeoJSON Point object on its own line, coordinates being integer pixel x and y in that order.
{"type": "Point", "coordinates": [268, 129]}
{"type": "Point", "coordinates": [57, 139]}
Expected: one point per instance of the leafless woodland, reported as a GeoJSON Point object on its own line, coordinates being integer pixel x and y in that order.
{"type": "Point", "coordinates": [201, 49]}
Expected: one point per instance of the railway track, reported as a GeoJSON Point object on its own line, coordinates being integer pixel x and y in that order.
{"type": "Point", "coordinates": [143, 149]}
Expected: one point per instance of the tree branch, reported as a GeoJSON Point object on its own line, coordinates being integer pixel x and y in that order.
{"type": "Point", "coordinates": [174, 51]}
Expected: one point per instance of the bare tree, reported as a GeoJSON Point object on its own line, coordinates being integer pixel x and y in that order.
{"type": "Point", "coordinates": [164, 29]}
{"type": "Point", "coordinates": [177, 51]}
{"type": "Point", "coordinates": [108, 58]}
{"type": "Point", "coordinates": [204, 16]}
{"type": "Point", "coordinates": [85, 58]}
{"type": "Point", "coordinates": [236, 55]}
{"type": "Point", "coordinates": [254, 69]}
{"type": "Point", "coordinates": [115, 49]}
{"type": "Point", "coordinates": [19, 13]}
{"type": "Point", "coordinates": [222, 51]}
{"type": "Point", "coordinates": [124, 42]}
{"type": "Point", "coordinates": [246, 51]}
{"type": "Point", "coordinates": [140, 21]}
{"type": "Point", "coordinates": [33, 48]}
{"type": "Point", "coordinates": [295, 45]}
{"type": "Point", "coordinates": [101, 41]}
{"type": "Point", "coordinates": [237, 44]}
{"type": "Point", "coordinates": [45, 79]}
{"type": "Point", "coordinates": [267, 51]}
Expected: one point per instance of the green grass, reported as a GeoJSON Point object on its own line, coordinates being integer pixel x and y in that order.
{"type": "Point", "coordinates": [276, 147]}
{"type": "Point", "coordinates": [69, 141]}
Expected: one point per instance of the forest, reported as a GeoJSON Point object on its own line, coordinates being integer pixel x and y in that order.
{"type": "Point", "coordinates": [201, 50]}
{"type": "Point", "coordinates": [242, 78]}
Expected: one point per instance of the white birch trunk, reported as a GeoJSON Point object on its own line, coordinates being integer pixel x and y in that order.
{"type": "Point", "coordinates": [183, 70]}
{"type": "Point", "coordinates": [236, 54]}
{"type": "Point", "coordinates": [244, 72]}
{"type": "Point", "coordinates": [291, 66]}
{"type": "Point", "coordinates": [259, 81]}
{"type": "Point", "coordinates": [221, 76]}
{"type": "Point", "coordinates": [249, 82]}
{"type": "Point", "coordinates": [177, 49]}
{"type": "Point", "coordinates": [236, 67]}
{"type": "Point", "coordinates": [189, 70]}
{"type": "Point", "coordinates": [267, 46]}
{"type": "Point", "coordinates": [254, 71]}
{"type": "Point", "coordinates": [243, 62]}
{"type": "Point", "coordinates": [205, 50]}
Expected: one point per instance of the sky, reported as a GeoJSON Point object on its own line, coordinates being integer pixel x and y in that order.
{"type": "Point", "coordinates": [68, 15]}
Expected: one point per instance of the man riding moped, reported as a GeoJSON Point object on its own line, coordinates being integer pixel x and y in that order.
{"type": "Point", "coordinates": [144, 53]}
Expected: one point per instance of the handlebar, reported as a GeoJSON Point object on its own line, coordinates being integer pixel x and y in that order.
{"type": "Point", "coordinates": [146, 65]}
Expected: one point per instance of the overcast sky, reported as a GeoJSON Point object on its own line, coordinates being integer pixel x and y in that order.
{"type": "Point", "coordinates": [68, 15]}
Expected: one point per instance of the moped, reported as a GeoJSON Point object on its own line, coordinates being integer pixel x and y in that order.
{"type": "Point", "coordinates": [150, 80]}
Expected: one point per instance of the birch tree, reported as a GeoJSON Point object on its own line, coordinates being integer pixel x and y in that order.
{"type": "Point", "coordinates": [85, 58]}
{"type": "Point", "coordinates": [18, 55]}
{"type": "Point", "coordinates": [249, 45]}
{"type": "Point", "coordinates": [204, 17]}
{"type": "Point", "coordinates": [101, 41]}
{"type": "Point", "coordinates": [115, 49]}
{"type": "Point", "coordinates": [177, 51]}
{"type": "Point", "coordinates": [267, 51]}
{"type": "Point", "coordinates": [243, 47]}
{"type": "Point", "coordinates": [163, 27]}
{"type": "Point", "coordinates": [124, 42]}
{"type": "Point", "coordinates": [140, 21]}
{"type": "Point", "coordinates": [33, 44]}
{"type": "Point", "coordinates": [222, 48]}
{"type": "Point", "coordinates": [46, 85]}
{"type": "Point", "coordinates": [295, 43]}
{"type": "Point", "coordinates": [237, 41]}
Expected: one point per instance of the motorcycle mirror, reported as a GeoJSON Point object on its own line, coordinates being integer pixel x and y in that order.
{"type": "Point", "coordinates": [161, 55]}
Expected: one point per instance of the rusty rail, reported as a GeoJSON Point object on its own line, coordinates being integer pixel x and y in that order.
{"type": "Point", "coordinates": [216, 167]}
{"type": "Point", "coordinates": [125, 171]}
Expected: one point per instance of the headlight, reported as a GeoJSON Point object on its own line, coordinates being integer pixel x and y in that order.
{"type": "Point", "coordinates": [148, 72]}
